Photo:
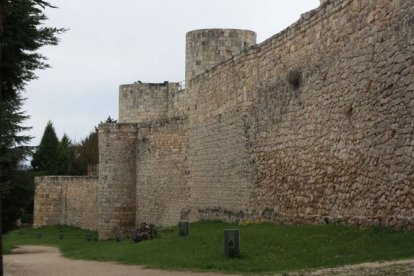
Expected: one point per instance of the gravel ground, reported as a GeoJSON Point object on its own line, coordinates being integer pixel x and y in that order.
{"type": "Point", "coordinates": [44, 260]}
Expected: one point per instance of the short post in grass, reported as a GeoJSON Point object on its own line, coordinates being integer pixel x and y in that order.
{"type": "Point", "coordinates": [232, 243]}
{"type": "Point", "coordinates": [118, 236]}
{"type": "Point", "coordinates": [183, 228]}
{"type": "Point", "coordinates": [61, 235]}
{"type": "Point", "coordinates": [88, 236]}
{"type": "Point", "coordinates": [39, 235]}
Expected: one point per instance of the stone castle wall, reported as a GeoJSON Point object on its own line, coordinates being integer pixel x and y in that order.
{"type": "Point", "coordinates": [328, 122]}
{"type": "Point", "coordinates": [66, 200]}
{"type": "Point", "coordinates": [338, 146]}
{"type": "Point", "coordinates": [162, 189]}
{"type": "Point", "coordinates": [313, 125]}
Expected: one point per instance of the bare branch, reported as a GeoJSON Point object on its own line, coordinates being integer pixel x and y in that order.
{"type": "Point", "coordinates": [44, 4]}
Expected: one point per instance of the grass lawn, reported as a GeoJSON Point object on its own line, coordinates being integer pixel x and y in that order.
{"type": "Point", "coordinates": [265, 247]}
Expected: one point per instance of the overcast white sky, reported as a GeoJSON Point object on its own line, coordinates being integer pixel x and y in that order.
{"type": "Point", "coordinates": [117, 42]}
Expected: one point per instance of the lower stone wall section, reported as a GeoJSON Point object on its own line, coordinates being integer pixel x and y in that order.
{"type": "Point", "coordinates": [66, 200]}
{"type": "Point", "coordinates": [221, 171]}
{"type": "Point", "coordinates": [162, 189]}
{"type": "Point", "coordinates": [47, 201]}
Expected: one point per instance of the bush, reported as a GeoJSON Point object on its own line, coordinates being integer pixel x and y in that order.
{"type": "Point", "coordinates": [145, 231]}
{"type": "Point", "coordinates": [27, 219]}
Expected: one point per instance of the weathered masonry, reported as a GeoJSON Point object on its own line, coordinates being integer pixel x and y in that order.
{"type": "Point", "coordinates": [315, 124]}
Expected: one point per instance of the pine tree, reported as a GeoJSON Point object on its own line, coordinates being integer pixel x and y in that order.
{"type": "Point", "coordinates": [65, 165]}
{"type": "Point", "coordinates": [21, 34]}
{"type": "Point", "coordinates": [47, 156]}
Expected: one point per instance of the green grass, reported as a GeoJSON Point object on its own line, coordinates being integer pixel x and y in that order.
{"type": "Point", "coordinates": [265, 247]}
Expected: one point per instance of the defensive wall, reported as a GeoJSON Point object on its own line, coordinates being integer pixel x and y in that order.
{"type": "Point", "coordinates": [66, 200]}
{"type": "Point", "coordinates": [325, 110]}
{"type": "Point", "coordinates": [313, 125]}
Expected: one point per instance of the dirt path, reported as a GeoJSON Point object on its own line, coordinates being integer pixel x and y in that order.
{"type": "Point", "coordinates": [44, 260]}
{"type": "Point", "coordinates": [47, 261]}
{"type": "Point", "coordinates": [395, 268]}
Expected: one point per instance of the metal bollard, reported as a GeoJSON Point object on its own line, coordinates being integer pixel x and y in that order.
{"type": "Point", "coordinates": [231, 243]}
{"type": "Point", "coordinates": [183, 228]}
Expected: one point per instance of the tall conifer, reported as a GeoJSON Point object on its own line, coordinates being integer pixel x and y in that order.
{"type": "Point", "coordinates": [47, 156]}
{"type": "Point", "coordinates": [21, 34]}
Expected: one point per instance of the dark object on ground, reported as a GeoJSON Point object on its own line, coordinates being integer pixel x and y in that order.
{"type": "Point", "coordinates": [61, 235]}
{"type": "Point", "coordinates": [88, 236]}
{"type": "Point", "coordinates": [145, 231]}
{"type": "Point", "coordinates": [118, 236]}
{"type": "Point", "coordinates": [231, 243]}
{"type": "Point", "coordinates": [39, 235]}
{"type": "Point", "coordinates": [183, 228]}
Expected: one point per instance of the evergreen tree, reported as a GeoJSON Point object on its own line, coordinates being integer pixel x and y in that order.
{"type": "Point", "coordinates": [65, 165]}
{"type": "Point", "coordinates": [21, 34]}
{"type": "Point", "coordinates": [19, 199]}
{"type": "Point", "coordinates": [47, 156]}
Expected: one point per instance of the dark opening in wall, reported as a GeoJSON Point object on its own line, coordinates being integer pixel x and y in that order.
{"type": "Point", "coordinates": [294, 78]}
{"type": "Point", "coordinates": [350, 111]}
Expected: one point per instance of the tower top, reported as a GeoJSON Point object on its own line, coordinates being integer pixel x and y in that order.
{"type": "Point", "coordinates": [206, 48]}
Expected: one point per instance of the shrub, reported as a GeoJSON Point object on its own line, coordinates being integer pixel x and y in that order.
{"type": "Point", "coordinates": [27, 219]}
{"type": "Point", "coordinates": [145, 231]}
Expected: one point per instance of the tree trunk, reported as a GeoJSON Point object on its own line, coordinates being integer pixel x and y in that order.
{"type": "Point", "coordinates": [1, 169]}
{"type": "Point", "coordinates": [1, 239]}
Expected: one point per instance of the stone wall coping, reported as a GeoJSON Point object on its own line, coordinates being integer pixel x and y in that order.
{"type": "Point", "coordinates": [220, 29]}
{"type": "Point", "coordinates": [147, 84]}
{"type": "Point", "coordinates": [135, 126]}
{"type": "Point", "coordinates": [116, 126]}
{"type": "Point", "coordinates": [163, 121]}
{"type": "Point", "coordinates": [66, 177]}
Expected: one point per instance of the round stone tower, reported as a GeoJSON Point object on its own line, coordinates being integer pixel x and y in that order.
{"type": "Point", "coordinates": [209, 47]}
